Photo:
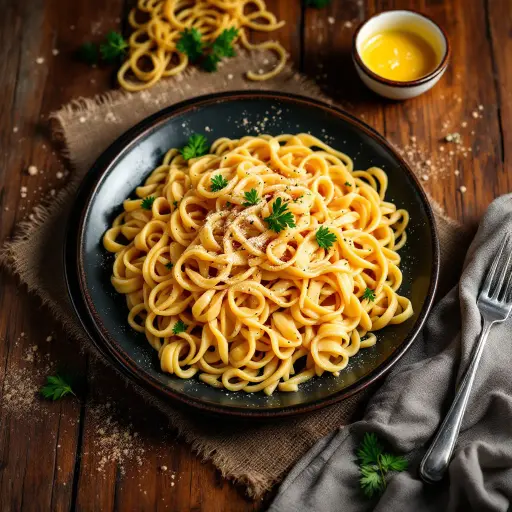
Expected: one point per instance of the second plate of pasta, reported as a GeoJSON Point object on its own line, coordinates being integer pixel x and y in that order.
{"type": "Point", "coordinates": [269, 254]}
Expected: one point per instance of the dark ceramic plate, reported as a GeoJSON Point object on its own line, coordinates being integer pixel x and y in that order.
{"type": "Point", "coordinates": [125, 165]}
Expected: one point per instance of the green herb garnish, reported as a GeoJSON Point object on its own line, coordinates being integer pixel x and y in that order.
{"type": "Point", "coordinates": [190, 43]}
{"type": "Point", "coordinates": [221, 47]}
{"type": "Point", "coordinates": [179, 326]}
{"type": "Point", "coordinates": [228, 204]}
{"type": "Point", "coordinates": [56, 387]}
{"type": "Point", "coordinates": [374, 465]}
{"type": "Point", "coordinates": [318, 4]}
{"type": "Point", "coordinates": [114, 47]}
{"type": "Point", "coordinates": [251, 197]}
{"type": "Point", "coordinates": [218, 183]}
{"type": "Point", "coordinates": [347, 184]}
{"type": "Point", "coordinates": [169, 265]}
{"type": "Point", "coordinates": [88, 53]}
{"type": "Point", "coordinates": [325, 238]}
{"type": "Point", "coordinates": [197, 145]}
{"type": "Point", "coordinates": [369, 294]}
{"type": "Point", "coordinates": [175, 204]}
{"type": "Point", "coordinates": [280, 218]}
{"type": "Point", "coordinates": [147, 203]}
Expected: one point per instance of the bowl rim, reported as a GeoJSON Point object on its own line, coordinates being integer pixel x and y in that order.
{"type": "Point", "coordinates": [102, 339]}
{"type": "Point", "coordinates": [395, 83]}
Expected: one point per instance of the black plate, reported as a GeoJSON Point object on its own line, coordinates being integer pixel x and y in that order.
{"type": "Point", "coordinates": [128, 161]}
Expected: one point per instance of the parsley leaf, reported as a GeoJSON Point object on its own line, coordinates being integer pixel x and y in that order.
{"type": "Point", "coordinates": [190, 43]}
{"type": "Point", "coordinates": [280, 218]}
{"type": "Point", "coordinates": [88, 53]}
{"type": "Point", "coordinates": [324, 238]}
{"type": "Point", "coordinates": [179, 326]}
{"type": "Point", "coordinates": [347, 184]}
{"type": "Point", "coordinates": [369, 449]}
{"type": "Point", "coordinates": [221, 47]}
{"type": "Point", "coordinates": [197, 145]}
{"type": "Point", "coordinates": [251, 197]}
{"type": "Point", "coordinates": [369, 294]}
{"type": "Point", "coordinates": [114, 47]}
{"type": "Point", "coordinates": [391, 462]}
{"type": "Point", "coordinates": [371, 481]}
{"type": "Point", "coordinates": [56, 387]}
{"type": "Point", "coordinates": [169, 265]}
{"type": "Point", "coordinates": [318, 4]}
{"type": "Point", "coordinates": [175, 204]}
{"type": "Point", "coordinates": [218, 183]}
{"type": "Point", "coordinates": [147, 203]}
{"type": "Point", "coordinates": [374, 465]}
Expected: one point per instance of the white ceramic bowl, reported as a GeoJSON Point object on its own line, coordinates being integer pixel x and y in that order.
{"type": "Point", "coordinates": [408, 20]}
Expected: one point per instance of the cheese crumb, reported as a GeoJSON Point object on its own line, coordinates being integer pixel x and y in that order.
{"type": "Point", "coordinates": [474, 114]}
{"type": "Point", "coordinates": [463, 189]}
{"type": "Point", "coordinates": [15, 129]}
{"type": "Point", "coordinates": [82, 119]}
{"type": "Point", "coordinates": [49, 338]}
{"type": "Point", "coordinates": [32, 170]}
{"type": "Point", "coordinates": [39, 60]}
{"type": "Point", "coordinates": [456, 172]}
{"type": "Point", "coordinates": [55, 52]}
{"type": "Point", "coordinates": [164, 468]}
{"type": "Point", "coordinates": [59, 175]}
{"type": "Point", "coordinates": [331, 20]}
{"type": "Point", "coordinates": [425, 177]}
{"type": "Point", "coordinates": [348, 24]}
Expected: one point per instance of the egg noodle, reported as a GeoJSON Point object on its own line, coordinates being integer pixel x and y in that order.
{"type": "Point", "coordinates": [159, 23]}
{"type": "Point", "coordinates": [262, 310]}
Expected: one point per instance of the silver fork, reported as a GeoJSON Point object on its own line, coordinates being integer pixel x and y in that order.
{"type": "Point", "coordinates": [494, 304]}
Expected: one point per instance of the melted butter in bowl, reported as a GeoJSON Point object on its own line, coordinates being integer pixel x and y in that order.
{"type": "Point", "coordinates": [400, 54]}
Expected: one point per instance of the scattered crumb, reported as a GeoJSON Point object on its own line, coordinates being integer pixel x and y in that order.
{"type": "Point", "coordinates": [164, 468]}
{"type": "Point", "coordinates": [52, 192]}
{"type": "Point", "coordinates": [230, 76]}
{"type": "Point", "coordinates": [463, 189]}
{"type": "Point", "coordinates": [266, 61]}
{"type": "Point", "coordinates": [49, 338]}
{"type": "Point", "coordinates": [453, 137]}
{"type": "Point", "coordinates": [480, 107]}
{"type": "Point", "coordinates": [348, 24]}
{"type": "Point", "coordinates": [424, 177]}
{"type": "Point", "coordinates": [474, 114]}
{"type": "Point", "coordinates": [456, 172]}
{"type": "Point", "coordinates": [207, 129]}
{"type": "Point", "coordinates": [32, 170]}
{"type": "Point", "coordinates": [464, 124]}
{"type": "Point", "coordinates": [55, 52]}
{"type": "Point", "coordinates": [331, 20]}
{"type": "Point", "coordinates": [39, 60]}
{"type": "Point", "coordinates": [116, 443]}
{"type": "Point", "coordinates": [59, 175]}
{"type": "Point", "coordinates": [15, 129]}
{"type": "Point", "coordinates": [82, 119]}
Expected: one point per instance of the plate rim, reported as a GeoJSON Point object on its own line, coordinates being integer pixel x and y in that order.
{"type": "Point", "coordinates": [75, 274]}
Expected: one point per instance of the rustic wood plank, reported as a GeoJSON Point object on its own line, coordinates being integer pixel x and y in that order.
{"type": "Point", "coordinates": [499, 19]}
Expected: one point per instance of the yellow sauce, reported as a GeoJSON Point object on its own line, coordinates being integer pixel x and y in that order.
{"type": "Point", "coordinates": [399, 55]}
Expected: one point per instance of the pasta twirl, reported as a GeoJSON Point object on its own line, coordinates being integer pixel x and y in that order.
{"type": "Point", "coordinates": [260, 310]}
{"type": "Point", "coordinates": [158, 24]}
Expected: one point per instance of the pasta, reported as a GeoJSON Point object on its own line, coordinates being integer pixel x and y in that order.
{"type": "Point", "coordinates": [220, 294]}
{"type": "Point", "coordinates": [157, 26]}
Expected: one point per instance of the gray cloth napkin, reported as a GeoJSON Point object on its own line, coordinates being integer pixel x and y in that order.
{"type": "Point", "coordinates": [407, 410]}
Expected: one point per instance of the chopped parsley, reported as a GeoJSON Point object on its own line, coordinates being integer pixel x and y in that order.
{"type": "Point", "coordinates": [56, 387]}
{"type": "Point", "coordinates": [369, 294]}
{"type": "Point", "coordinates": [281, 217]}
{"type": "Point", "coordinates": [169, 265]}
{"type": "Point", "coordinates": [218, 183]}
{"type": "Point", "coordinates": [325, 238]}
{"type": "Point", "coordinates": [221, 47]}
{"type": "Point", "coordinates": [251, 197]}
{"type": "Point", "coordinates": [147, 203]}
{"type": "Point", "coordinates": [190, 43]}
{"type": "Point", "coordinates": [175, 204]}
{"type": "Point", "coordinates": [197, 145]}
{"type": "Point", "coordinates": [179, 326]}
{"type": "Point", "coordinates": [114, 47]}
{"type": "Point", "coordinates": [347, 184]}
{"type": "Point", "coordinates": [375, 464]}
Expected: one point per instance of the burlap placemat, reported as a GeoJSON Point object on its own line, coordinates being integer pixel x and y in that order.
{"type": "Point", "coordinates": [255, 454]}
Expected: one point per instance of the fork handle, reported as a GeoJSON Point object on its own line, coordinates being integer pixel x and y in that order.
{"type": "Point", "coordinates": [436, 460]}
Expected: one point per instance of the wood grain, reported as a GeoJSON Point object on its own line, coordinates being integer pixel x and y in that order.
{"type": "Point", "coordinates": [50, 452]}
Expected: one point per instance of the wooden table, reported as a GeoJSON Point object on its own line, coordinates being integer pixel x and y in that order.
{"type": "Point", "coordinates": [49, 457]}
